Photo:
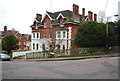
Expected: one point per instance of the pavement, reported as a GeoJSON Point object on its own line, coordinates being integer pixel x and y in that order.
{"type": "Point", "coordinates": [69, 58]}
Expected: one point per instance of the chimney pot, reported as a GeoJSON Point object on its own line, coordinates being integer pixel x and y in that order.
{"type": "Point", "coordinates": [83, 12]}
{"type": "Point", "coordinates": [90, 15]}
{"type": "Point", "coordinates": [95, 17]}
{"type": "Point", "coordinates": [5, 28]}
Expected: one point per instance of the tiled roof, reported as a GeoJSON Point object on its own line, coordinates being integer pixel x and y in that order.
{"type": "Point", "coordinates": [10, 32]}
{"type": "Point", "coordinates": [65, 13]}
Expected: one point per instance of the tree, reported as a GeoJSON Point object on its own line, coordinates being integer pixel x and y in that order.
{"type": "Point", "coordinates": [93, 34]}
{"type": "Point", "coordinates": [51, 43]}
{"type": "Point", "coordinates": [112, 34]}
{"type": "Point", "coordinates": [9, 43]}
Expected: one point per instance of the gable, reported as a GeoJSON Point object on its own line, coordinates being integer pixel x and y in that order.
{"type": "Point", "coordinates": [60, 15]}
{"type": "Point", "coordinates": [46, 15]}
{"type": "Point", "coordinates": [18, 35]}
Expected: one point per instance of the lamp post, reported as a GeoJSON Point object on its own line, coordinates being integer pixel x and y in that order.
{"type": "Point", "coordinates": [117, 28]}
{"type": "Point", "coordinates": [107, 32]}
{"type": "Point", "coordinates": [117, 17]}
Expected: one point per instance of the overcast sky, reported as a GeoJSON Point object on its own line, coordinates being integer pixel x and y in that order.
{"type": "Point", "coordinates": [19, 14]}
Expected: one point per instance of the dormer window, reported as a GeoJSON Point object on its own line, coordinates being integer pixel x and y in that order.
{"type": "Point", "coordinates": [50, 24]}
{"type": "Point", "coordinates": [61, 22]}
{"type": "Point", "coordinates": [44, 24]}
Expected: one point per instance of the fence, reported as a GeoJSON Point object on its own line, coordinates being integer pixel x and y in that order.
{"type": "Point", "coordinates": [72, 52]}
{"type": "Point", "coordinates": [22, 53]}
{"type": "Point", "coordinates": [36, 55]}
{"type": "Point", "coordinates": [47, 54]}
{"type": "Point", "coordinates": [96, 49]}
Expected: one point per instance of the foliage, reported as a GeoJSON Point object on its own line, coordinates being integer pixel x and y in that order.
{"type": "Point", "coordinates": [112, 34]}
{"type": "Point", "coordinates": [9, 43]}
{"type": "Point", "coordinates": [69, 19]}
{"type": "Point", "coordinates": [93, 34]}
{"type": "Point", "coordinates": [52, 44]}
{"type": "Point", "coordinates": [118, 32]}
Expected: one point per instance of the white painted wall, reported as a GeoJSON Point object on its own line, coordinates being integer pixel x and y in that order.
{"type": "Point", "coordinates": [0, 44]}
{"type": "Point", "coordinates": [40, 42]}
{"type": "Point", "coordinates": [16, 54]}
{"type": "Point", "coordinates": [69, 37]}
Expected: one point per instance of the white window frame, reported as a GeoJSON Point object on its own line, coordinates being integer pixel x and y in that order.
{"type": "Point", "coordinates": [37, 46]}
{"type": "Point", "coordinates": [37, 35]}
{"type": "Point", "coordinates": [58, 34]}
{"type": "Point", "coordinates": [24, 43]}
{"type": "Point", "coordinates": [33, 35]}
{"type": "Point", "coordinates": [45, 25]}
{"type": "Point", "coordinates": [64, 34]}
{"type": "Point", "coordinates": [33, 46]}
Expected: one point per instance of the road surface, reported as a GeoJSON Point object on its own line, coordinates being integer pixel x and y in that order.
{"type": "Point", "coordinates": [100, 68]}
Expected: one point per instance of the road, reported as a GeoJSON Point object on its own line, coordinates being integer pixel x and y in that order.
{"type": "Point", "coordinates": [100, 68]}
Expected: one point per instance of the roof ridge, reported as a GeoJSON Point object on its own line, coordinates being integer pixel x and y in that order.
{"type": "Point", "coordinates": [58, 11]}
{"type": "Point", "coordinates": [49, 12]}
{"type": "Point", "coordinates": [62, 11]}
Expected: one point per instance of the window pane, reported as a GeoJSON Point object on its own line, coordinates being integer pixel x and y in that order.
{"type": "Point", "coordinates": [64, 34]}
{"type": "Point", "coordinates": [44, 35]}
{"type": "Point", "coordinates": [44, 24]}
{"type": "Point", "coordinates": [50, 35]}
{"type": "Point", "coordinates": [59, 36]}
{"type": "Point", "coordinates": [37, 35]}
{"type": "Point", "coordinates": [37, 46]}
{"type": "Point", "coordinates": [33, 46]}
{"type": "Point", "coordinates": [33, 35]}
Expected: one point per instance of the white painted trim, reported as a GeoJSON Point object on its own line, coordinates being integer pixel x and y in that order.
{"type": "Point", "coordinates": [35, 20]}
{"type": "Point", "coordinates": [87, 18]}
{"type": "Point", "coordinates": [45, 16]}
{"type": "Point", "coordinates": [60, 15]}
{"type": "Point", "coordinates": [17, 33]}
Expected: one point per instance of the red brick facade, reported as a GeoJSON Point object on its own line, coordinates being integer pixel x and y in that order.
{"type": "Point", "coordinates": [62, 20]}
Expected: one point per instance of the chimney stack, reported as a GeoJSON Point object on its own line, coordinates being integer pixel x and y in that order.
{"type": "Point", "coordinates": [95, 17]}
{"type": "Point", "coordinates": [75, 9]}
{"type": "Point", "coordinates": [83, 12]}
{"type": "Point", "coordinates": [5, 28]}
{"type": "Point", "coordinates": [90, 15]}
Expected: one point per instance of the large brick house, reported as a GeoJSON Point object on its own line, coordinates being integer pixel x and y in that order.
{"type": "Point", "coordinates": [23, 39]}
{"type": "Point", "coordinates": [62, 25]}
